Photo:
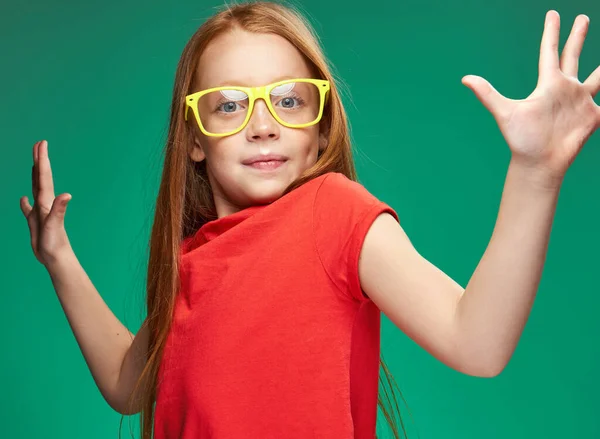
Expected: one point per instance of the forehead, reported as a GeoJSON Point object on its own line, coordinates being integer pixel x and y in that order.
{"type": "Point", "coordinates": [249, 59]}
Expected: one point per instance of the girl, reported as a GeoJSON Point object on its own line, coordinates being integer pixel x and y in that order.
{"type": "Point", "coordinates": [269, 264]}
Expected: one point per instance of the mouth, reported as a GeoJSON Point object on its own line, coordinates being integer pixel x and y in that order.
{"type": "Point", "coordinates": [267, 165]}
{"type": "Point", "coordinates": [266, 162]}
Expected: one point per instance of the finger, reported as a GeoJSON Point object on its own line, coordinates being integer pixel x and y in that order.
{"type": "Point", "coordinates": [592, 83]}
{"type": "Point", "coordinates": [35, 152]}
{"type": "Point", "coordinates": [498, 105]}
{"type": "Point", "coordinates": [548, 63]}
{"type": "Point", "coordinates": [56, 217]}
{"type": "Point", "coordinates": [45, 183]}
{"type": "Point", "coordinates": [31, 221]}
{"type": "Point", "coordinates": [569, 60]}
{"type": "Point", "coordinates": [34, 185]}
{"type": "Point", "coordinates": [25, 206]}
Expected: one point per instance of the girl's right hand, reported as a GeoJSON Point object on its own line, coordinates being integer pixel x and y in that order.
{"type": "Point", "coordinates": [46, 219]}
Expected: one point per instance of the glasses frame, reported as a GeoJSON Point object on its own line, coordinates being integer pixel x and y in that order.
{"type": "Point", "coordinates": [262, 92]}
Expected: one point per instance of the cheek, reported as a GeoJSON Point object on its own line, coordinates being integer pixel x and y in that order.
{"type": "Point", "coordinates": [219, 150]}
{"type": "Point", "coordinates": [302, 141]}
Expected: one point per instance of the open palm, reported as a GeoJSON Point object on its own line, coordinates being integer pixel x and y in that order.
{"type": "Point", "coordinates": [47, 215]}
{"type": "Point", "coordinates": [548, 128]}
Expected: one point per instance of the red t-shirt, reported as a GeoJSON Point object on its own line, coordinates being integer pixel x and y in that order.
{"type": "Point", "coordinates": [272, 336]}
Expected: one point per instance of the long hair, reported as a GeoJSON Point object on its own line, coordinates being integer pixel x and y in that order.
{"type": "Point", "coordinates": [185, 202]}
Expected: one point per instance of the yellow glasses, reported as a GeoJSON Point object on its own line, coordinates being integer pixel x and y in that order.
{"type": "Point", "coordinates": [223, 111]}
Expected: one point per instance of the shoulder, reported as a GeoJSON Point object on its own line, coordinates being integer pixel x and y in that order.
{"type": "Point", "coordinates": [337, 180]}
{"type": "Point", "coordinates": [335, 186]}
{"type": "Point", "coordinates": [338, 195]}
{"type": "Point", "coordinates": [344, 211]}
{"type": "Point", "coordinates": [342, 204]}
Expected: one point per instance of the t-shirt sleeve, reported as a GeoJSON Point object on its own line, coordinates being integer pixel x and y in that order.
{"type": "Point", "coordinates": [343, 212]}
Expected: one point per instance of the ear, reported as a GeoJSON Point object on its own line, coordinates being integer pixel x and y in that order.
{"type": "Point", "coordinates": [196, 151]}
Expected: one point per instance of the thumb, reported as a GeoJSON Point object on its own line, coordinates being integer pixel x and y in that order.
{"type": "Point", "coordinates": [496, 104]}
{"type": "Point", "coordinates": [58, 209]}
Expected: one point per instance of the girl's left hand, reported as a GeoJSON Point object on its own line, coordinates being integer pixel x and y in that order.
{"type": "Point", "coordinates": [547, 130]}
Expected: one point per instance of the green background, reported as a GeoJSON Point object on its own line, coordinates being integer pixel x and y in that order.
{"type": "Point", "coordinates": [95, 80]}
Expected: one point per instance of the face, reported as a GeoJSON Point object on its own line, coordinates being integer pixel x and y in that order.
{"type": "Point", "coordinates": [248, 59]}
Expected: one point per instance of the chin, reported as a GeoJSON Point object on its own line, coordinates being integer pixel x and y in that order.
{"type": "Point", "coordinates": [266, 195]}
{"type": "Point", "coordinates": [265, 198]}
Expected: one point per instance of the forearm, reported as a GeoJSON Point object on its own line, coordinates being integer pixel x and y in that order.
{"type": "Point", "coordinates": [494, 308]}
{"type": "Point", "coordinates": [102, 338]}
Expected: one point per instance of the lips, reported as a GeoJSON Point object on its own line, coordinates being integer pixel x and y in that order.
{"type": "Point", "coordinates": [265, 158]}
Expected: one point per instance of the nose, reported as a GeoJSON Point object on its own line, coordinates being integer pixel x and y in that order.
{"type": "Point", "coordinates": [262, 125]}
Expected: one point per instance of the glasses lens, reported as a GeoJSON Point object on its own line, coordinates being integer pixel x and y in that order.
{"type": "Point", "coordinates": [296, 102]}
{"type": "Point", "coordinates": [223, 111]}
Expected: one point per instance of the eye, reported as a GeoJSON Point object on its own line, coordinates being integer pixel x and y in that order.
{"type": "Point", "coordinates": [231, 101]}
{"type": "Point", "coordinates": [290, 102]}
{"type": "Point", "coordinates": [286, 95]}
{"type": "Point", "coordinates": [227, 107]}
{"type": "Point", "coordinates": [287, 102]}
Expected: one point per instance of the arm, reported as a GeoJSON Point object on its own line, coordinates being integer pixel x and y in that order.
{"type": "Point", "coordinates": [115, 358]}
{"type": "Point", "coordinates": [476, 330]}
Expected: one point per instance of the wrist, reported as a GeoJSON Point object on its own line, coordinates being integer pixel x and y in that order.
{"type": "Point", "coordinates": [57, 262]}
{"type": "Point", "coordinates": [536, 175]}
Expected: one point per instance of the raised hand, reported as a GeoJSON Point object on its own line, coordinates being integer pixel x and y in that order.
{"type": "Point", "coordinates": [548, 129]}
{"type": "Point", "coordinates": [46, 218]}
